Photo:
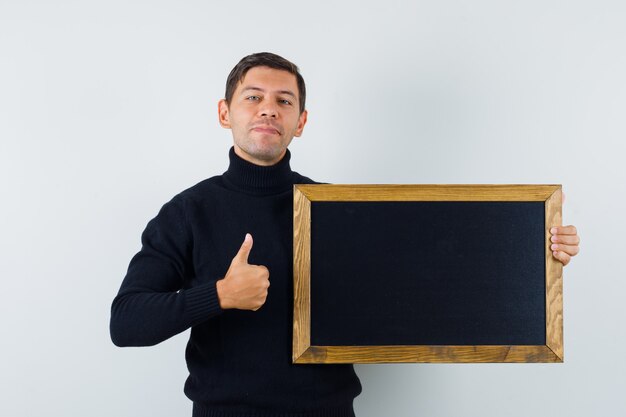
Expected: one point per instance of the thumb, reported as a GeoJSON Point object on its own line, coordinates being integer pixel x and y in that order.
{"type": "Point", "coordinates": [244, 251]}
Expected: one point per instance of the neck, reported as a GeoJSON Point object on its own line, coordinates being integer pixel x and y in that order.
{"type": "Point", "coordinates": [246, 176]}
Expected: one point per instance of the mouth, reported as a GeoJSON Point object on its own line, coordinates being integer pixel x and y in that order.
{"type": "Point", "coordinates": [267, 130]}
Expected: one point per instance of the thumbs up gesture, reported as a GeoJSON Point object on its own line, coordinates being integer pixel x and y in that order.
{"type": "Point", "coordinates": [245, 286]}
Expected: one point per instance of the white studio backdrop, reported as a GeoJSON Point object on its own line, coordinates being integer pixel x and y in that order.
{"type": "Point", "coordinates": [109, 108]}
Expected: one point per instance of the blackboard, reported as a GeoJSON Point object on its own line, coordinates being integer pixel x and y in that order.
{"type": "Point", "coordinates": [426, 273]}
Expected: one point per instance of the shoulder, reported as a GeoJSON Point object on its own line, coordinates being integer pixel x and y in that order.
{"type": "Point", "coordinates": [200, 189]}
{"type": "Point", "coordinates": [198, 194]}
{"type": "Point", "coordinates": [301, 179]}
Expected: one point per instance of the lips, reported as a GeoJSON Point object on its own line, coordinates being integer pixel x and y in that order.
{"type": "Point", "coordinates": [266, 129]}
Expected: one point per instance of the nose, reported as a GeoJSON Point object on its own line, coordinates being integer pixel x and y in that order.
{"type": "Point", "coordinates": [268, 108]}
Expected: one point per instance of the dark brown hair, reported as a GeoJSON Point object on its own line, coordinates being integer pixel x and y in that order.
{"type": "Point", "coordinates": [263, 59]}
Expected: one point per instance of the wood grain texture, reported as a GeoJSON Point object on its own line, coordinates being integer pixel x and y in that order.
{"type": "Point", "coordinates": [554, 279]}
{"type": "Point", "coordinates": [303, 352]}
{"type": "Point", "coordinates": [301, 273]}
{"type": "Point", "coordinates": [426, 192]}
{"type": "Point", "coordinates": [427, 354]}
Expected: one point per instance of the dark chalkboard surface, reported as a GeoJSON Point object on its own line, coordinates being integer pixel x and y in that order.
{"type": "Point", "coordinates": [417, 273]}
{"type": "Point", "coordinates": [455, 273]}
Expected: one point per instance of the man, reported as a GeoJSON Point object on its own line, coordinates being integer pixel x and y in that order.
{"type": "Point", "coordinates": [207, 257]}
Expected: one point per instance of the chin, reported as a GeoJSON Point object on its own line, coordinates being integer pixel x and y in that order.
{"type": "Point", "coordinates": [263, 153]}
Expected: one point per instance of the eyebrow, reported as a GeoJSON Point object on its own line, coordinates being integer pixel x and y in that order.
{"type": "Point", "coordinates": [287, 92]}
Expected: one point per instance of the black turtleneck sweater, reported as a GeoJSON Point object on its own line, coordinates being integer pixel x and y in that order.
{"type": "Point", "coordinates": [239, 361]}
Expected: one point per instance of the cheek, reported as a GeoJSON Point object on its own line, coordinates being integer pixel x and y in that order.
{"type": "Point", "coordinates": [239, 121]}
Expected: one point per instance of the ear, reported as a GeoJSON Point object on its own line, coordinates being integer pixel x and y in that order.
{"type": "Point", "coordinates": [223, 114]}
{"type": "Point", "coordinates": [301, 123]}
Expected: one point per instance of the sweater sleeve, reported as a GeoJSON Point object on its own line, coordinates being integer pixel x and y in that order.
{"type": "Point", "coordinates": [152, 305]}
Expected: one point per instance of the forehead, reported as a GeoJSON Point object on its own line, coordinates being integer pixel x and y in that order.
{"type": "Point", "coordinates": [269, 79]}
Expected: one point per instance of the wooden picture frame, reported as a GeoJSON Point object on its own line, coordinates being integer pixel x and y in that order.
{"type": "Point", "coordinates": [306, 353]}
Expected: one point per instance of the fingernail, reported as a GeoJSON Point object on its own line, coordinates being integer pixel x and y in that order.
{"type": "Point", "coordinates": [553, 238]}
{"type": "Point", "coordinates": [553, 247]}
{"type": "Point", "coordinates": [554, 253]}
{"type": "Point", "coordinates": [553, 230]}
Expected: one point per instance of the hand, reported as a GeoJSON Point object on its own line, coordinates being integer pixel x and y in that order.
{"type": "Point", "coordinates": [244, 286]}
{"type": "Point", "coordinates": [565, 242]}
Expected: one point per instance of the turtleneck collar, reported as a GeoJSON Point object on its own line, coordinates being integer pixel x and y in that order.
{"type": "Point", "coordinates": [257, 179]}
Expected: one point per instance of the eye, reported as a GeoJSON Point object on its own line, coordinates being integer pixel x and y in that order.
{"type": "Point", "coordinates": [285, 101]}
{"type": "Point", "coordinates": [253, 98]}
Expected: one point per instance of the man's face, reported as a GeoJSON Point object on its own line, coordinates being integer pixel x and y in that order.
{"type": "Point", "coordinates": [264, 115]}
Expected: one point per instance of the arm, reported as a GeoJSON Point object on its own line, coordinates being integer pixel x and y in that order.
{"type": "Point", "coordinates": [152, 305]}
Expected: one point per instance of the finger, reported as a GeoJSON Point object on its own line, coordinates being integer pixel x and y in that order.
{"type": "Point", "coordinates": [571, 250]}
{"type": "Point", "coordinates": [244, 251]}
{"type": "Point", "coordinates": [264, 271]}
{"type": "Point", "coordinates": [566, 239]}
{"type": "Point", "coordinates": [562, 257]}
{"type": "Point", "coordinates": [563, 230]}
